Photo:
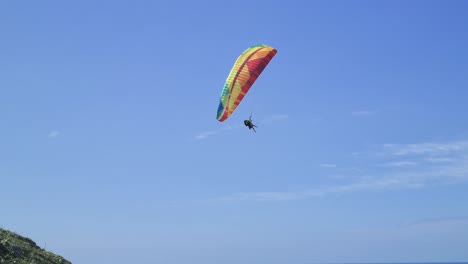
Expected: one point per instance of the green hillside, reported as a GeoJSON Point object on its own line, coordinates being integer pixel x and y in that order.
{"type": "Point", "coordinates": [21, 250]}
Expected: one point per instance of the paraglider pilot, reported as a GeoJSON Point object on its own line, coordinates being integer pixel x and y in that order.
{"type": "Point", "coordinates": [248, 123]}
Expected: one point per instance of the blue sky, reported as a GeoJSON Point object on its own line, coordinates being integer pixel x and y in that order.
{"type": "Point", "coordinates": [111, 152]}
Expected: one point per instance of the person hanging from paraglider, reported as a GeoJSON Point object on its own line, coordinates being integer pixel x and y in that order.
{"type": "Point", "coordinates": [248, 123]}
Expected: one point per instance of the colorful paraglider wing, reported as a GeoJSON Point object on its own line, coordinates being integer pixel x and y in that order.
{"type": "Point", "coordinates": [244, 73]}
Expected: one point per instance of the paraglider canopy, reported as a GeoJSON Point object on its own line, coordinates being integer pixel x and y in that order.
{"type": "Point", "coordinates": [247, 68]}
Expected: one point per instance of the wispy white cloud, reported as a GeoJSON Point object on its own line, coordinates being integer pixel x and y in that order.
{"type": "Point", "coordinates": [54, 134]}
{"type": "Point", "coordinates": [451, 168]}
{"type": "Point", "coordinates": [439, 160]}
{"type": "Point", "coordinates": [387, 183]}
{"type": "Point", "coordinates": [206, 134]}
{"type": "Point", "coordinates": [429, 154]}
{"type": "Point", "coordinates": [362, 113]}
{"type": "Point", "coordinates": [328, 165]}
{"type": "Point", "coordinates": [401, 164]}
{"type": "Point", "coordinates": [426, 148]}
{"type": "Point", "coordinates": [391, 182]}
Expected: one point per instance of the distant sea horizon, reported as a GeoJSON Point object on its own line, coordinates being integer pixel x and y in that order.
{"type": "Point", "coordinates": [416, 262]}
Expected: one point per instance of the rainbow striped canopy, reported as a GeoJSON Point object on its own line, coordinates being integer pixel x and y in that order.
{"type": "Point", "coordinates": [248, 66]}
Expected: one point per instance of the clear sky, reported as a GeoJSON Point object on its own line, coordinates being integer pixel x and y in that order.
{"type": "Point", "coordinates": [110, 151]}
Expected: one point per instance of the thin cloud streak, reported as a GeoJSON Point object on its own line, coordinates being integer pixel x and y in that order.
{"type": "Point", "coordinates": [407, 175]}
{"type": "Point", "coordinates": [401, 164]}
{"type": "Point", "coordinates": [53, 134]}
{"type": "Point", "coordinates": [426, 148]}
{"type": "Point", "coordinates": [439, 160]}
{"type": "Point", "coordinates": [328, 165]}
{"type": "Point", "coordinates": [207, 134]}
{"type": "Point", "coordinates": [362, 113]}
{"type": "Point", "coordinates": [388, 183]}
